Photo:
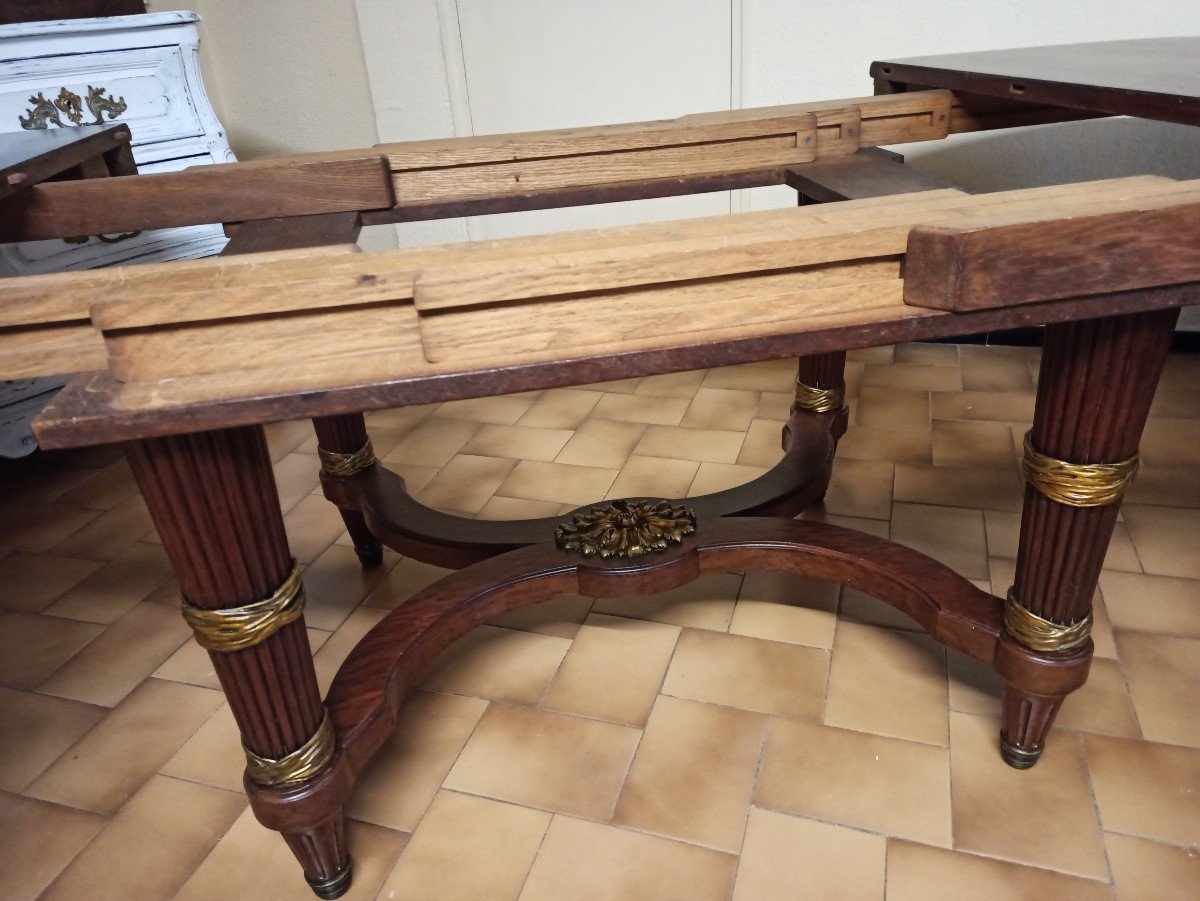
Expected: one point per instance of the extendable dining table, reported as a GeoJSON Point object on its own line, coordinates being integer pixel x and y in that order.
{"type": "Point", "coordinates": [183, 363]}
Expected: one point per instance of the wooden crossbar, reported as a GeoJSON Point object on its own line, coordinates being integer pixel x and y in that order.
{"type": "Point", "coordinates": [429, 179]}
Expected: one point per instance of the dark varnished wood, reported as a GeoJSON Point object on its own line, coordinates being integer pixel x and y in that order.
{"type": "Point", "coordinates": [293, 233]}
{"type": "Point", "coordinates": [872, 172]}
{"type": "Point", "coordinates": [89, 410]}
{"type": "Point", "coordinates": [372, 683]}
{"type": "Point", "coordinates": [346, 434]}
{"type": "Point", "coordinates": [213, 499]}
{"type": "Point", "coordinates": [828, 371]}
{"type": "Point", "coordinates": [1153, 78]}
{"type": "Point", "coordinates": [408, 526]}
{"type": "Point", "coordinates": [1095, 388]}
{"type": "Point", "coordinates": [212, 194]}
{"type": "Point", "coordinates": [45, 10]}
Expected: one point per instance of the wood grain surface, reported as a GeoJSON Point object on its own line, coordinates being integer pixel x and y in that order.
{"type": "Point", "coordinates": [951, 268]}
{"type": "Point", "coordinates": [194, 196]}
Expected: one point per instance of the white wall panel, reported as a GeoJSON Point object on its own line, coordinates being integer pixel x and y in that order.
{"type": "Point", "coordinates": [533, 64]}
{"type": "Point", "coordinates": [402, 43]}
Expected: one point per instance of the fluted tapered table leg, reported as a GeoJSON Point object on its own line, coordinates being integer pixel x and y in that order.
{"type": "Point", "coordinates": [1096, 385]}
{"type": "Point", "coordinates": [345, 448]}
{"type": "Point", "coordinates": [821, 388]}
{"type": "Point", "coordinates": [821, 392]}
{"type": "Point", "coordinates": [213, 498]}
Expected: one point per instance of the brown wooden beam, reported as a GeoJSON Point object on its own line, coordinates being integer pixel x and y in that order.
{"type": "Point", "coordinates": [231, 193]}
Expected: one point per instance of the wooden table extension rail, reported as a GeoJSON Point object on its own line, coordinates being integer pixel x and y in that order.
{"type": "Point", "coordinates": [185, 362]}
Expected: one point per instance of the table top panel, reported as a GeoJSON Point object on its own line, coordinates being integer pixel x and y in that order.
{"type": "Point", "coordinates": [1153, 78]}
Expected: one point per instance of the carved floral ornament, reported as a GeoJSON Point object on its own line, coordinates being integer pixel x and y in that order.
{"type": "Point", "coordinates": [626, 529]}
{"type": "Point", "coordinates": [70, 104]}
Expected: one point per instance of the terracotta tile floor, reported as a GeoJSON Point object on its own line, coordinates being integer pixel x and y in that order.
{"type": "Point", "coordinates": [758, 737]}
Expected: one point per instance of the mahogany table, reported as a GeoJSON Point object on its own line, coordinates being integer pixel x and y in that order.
{"type": "Point", "coordinates": [190, 361]}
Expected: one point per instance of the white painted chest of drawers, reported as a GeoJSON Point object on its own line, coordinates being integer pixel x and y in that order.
{"type": "Point", "coordinates": [148, 68]}
{"type": "Point", "coordinates": [141, 70]}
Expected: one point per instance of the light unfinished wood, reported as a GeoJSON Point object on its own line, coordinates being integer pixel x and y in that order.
{"type": "Point", "coordinates": [463, 169]}
{"type": "Point", "coordinates": [505, 148]}
{"type": "Point", "coordinates": [430, 310]}
{"type": "Point", "coordinates": [57, 349]}
{"type": "Point", "coordinates": [884, 118]}
{"type": "Point", "coordinates": [752, 305]}
{"type": "Point", "coordinates": [791, 142]}
{"type": "Point", "coordinates": [67, 296]}
{"type": "Point", "coordinates": [45, 327]}
{"type": "Point", "coordinates": [277, 282]}
{"type": "Point", "coordinates": [839, 132]}
{"type": "Point", "coordinates": [326, 341]}
{"type": "Point", "coordinates": [808, 236]}
{"type": "Point", "coordinates": [539, 270]}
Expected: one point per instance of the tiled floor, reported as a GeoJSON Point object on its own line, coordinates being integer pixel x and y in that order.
{"type": "Point", "coordinates": [755, 738]}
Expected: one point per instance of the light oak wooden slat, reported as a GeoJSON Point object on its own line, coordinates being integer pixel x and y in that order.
{"type": "Point", "coordinates": [885, 119]}
{"type": "Point", "coordinates": [649, 316]}
{"type": "Point", "coordinates": [992, 265]}
{"type": "Point", "coordinates": [506, 249]}
{"type": "Point", "coordinates": [67, 296]}
{"type": "Point", "coordinates": [632, 318]}
{"type": "Point", "coordinates": [819, 237]}
{"type": "Point", "coordinates": [331, 344]}
{"type": "Point", "coordinates": [742, 141]}
{"type": "Point", "coordinates": [51, 350]}
{"type": "Point", "coordinates": [525, 176]}
{"type": "Point", "coordinates": [259, 290]}
{"type": "Point", "coordinates": [218, 194]}
{"type": "Point", "coordinates": [918, 116]}
{"type": "Point", "coordinates": [692, 128]}
{"type": "Point", "coordinates": [271, 283]}
{"type": "Point", "coordinates": [579, 141]}
{"type": "Point", "coordinates": [764, 220]}
{"type": "Point", "coordinates": [482, 168]}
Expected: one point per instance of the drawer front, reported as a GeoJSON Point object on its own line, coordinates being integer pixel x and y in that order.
{"type": "Point", "coordinates": [151, 246]}
{"type": "Point", "coordinates": [149, 81]}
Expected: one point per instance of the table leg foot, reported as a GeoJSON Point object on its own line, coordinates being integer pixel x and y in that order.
{"type": "Point", "coordinates": [321, 850]}
{"type": "Point", "coordinates": [366, 545]}
{"type": "Point", "coordinates": [1017, 757]}
{"type": "Point", "coordinates": [1027, 719]}
{"type": "Point", "coordinates": [335, 886]}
